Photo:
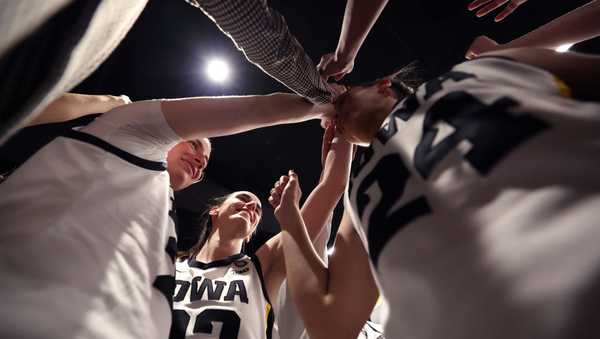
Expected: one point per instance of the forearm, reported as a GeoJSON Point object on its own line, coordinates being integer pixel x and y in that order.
{"type": "Point", "coordinates": [322, 293]}
{"type": "Point", "coordinates": [578, 25]}
{"type": "Point", "coordinates": [307, 275]}
{"type": "Point", "coordinates": [218, 116]}
{"type": "Point", "coordinates": [579, 71]}
{"type": "Point", "coordinates": [359, 18]}
{"type": "Point", "coordinates": [318, 207]}
{"type": "Point", "coordinates": [262, 34]}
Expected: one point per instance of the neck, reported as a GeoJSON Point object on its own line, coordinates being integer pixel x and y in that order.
{"type": "Point", "coordinates": [217, 247]}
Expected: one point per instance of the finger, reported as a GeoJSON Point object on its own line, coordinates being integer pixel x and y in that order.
{"type": "Point", "coordinates": [490, 7]}
{"type": "Point", "coordinates": [291, 185]}
{"type": "Point", "coordinates": [339, 76]}
{"type": "Point", "coordinates": [274, 202]}
{"type": "Point", "coordinates": [507, 11]}
{"type": "Point", "coordinates": [325, 60]}
{"type": "Point", "coordinates": [477, 3]}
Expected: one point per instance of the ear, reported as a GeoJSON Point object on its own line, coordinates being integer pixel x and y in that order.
{"type": "Point", "coordinates": [213, 212]}
{"type": "Point", "coordinates": [385, 87]}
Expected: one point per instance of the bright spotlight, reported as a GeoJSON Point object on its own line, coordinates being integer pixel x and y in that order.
{"type": "Point", "coordinates": [217, 70]}
{"type": "Point", "coordinates": [563, 48]}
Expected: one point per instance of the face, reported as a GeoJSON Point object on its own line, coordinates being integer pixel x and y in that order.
{"type": "Point", "coordinates": [241, 211]}
{"type": "Point", "coordinates": [186, 162]}
{"type": "Point", "coordinates": [358, 109]}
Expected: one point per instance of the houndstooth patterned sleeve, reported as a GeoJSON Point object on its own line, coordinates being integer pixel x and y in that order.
{"type": "Point", "coordinates": [261, 33]}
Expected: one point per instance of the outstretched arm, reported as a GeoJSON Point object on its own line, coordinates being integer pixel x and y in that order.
{"type": "Point", "coordinates": [205, 117]}
{"type": "Point", "coordinates": [578, 25]}
{"type": "Point", "coordinates": [262, 34]}
{"type": "Point", "coordinates": [325, 295]}
{"type": "Point", "coordinates": [579, 71]}
{"type": "Point", "coordinates": [359, 18]}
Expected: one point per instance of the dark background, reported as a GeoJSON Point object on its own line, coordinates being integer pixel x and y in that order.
{"type": "Point", "coordinates": [164, 54]}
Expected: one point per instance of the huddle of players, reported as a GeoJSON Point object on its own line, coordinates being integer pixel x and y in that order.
{"type": "Point", "coordinates": [476, 191]}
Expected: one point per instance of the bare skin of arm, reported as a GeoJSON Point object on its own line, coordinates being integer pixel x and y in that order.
{"type": "Point", "coordinates": [72, 105]}
{"type": "Point", "coordinates": [205, 117]}
{"type": "Point", "coordinates": [325, 295]}
{"type": "Point", "coordinates": [578, 25]}
{"type": "Point", "coordinates": [359, 18]}
{"type": "Point", "coordinates": [580, 71]}
{"type": "Point", "coordinates": [317, 208]}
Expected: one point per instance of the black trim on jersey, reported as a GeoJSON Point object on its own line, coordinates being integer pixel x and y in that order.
{"type": "Point", "coordinates": [271, 315]}
{"type": "Point", "coordinates": [166, 285]}
{"type": "Point", "coordinates": [192, 262]}
{"type": "Point", "coordinates": [132, 159]}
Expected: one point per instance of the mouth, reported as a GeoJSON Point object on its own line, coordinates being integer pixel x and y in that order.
{"type": "Point", "coordinates": [191, 169]}
{"type": "Point", "coordinates": [248, 214]}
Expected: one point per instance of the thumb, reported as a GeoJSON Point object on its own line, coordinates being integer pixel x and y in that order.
{"type": "Point", "coordinates": [339, 76]}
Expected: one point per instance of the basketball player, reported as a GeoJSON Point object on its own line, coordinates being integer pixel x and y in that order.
{"type": "Point", "coordinates": [223, 293]}
{"type": "Point", "coordinates": [477, 200]}
{"type": "Point", "coordinates": [92, 210]}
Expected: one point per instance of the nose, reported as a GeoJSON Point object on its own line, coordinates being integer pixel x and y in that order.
{"type": "Point", "coordinates": [199, 160]}
{"type": "Point", "coordinates": [251, 205]}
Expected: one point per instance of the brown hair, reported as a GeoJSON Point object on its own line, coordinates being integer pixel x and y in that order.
{"type": "Point", "coordinates": [203, 227]}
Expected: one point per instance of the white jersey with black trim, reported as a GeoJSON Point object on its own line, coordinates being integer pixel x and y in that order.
{"type": "Point", "coordinates": [87, 239]}
{"type": "Point", "coordinates": [223, 299]}
{"type": "Point", "coordinates": [478, 202]}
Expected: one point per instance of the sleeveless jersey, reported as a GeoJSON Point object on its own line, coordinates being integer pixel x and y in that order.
{"type": "Point", "coordinates": [87, 239]}
{"type": "Point", "coordinates": [478, 202]}
{"type": "Point", "coordinates": [223, 299]}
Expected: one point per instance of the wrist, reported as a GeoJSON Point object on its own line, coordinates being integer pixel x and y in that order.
{"type": "Point", "coordinates": [345, 55]}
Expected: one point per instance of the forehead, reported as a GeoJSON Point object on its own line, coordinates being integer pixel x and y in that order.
{"type": "Point", "coordinates": [245, 196]}
{"type": "Point", "coordinates": [206, 145]}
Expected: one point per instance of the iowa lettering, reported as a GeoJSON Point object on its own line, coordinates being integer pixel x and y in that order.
{"type": "Point", "coordinates": [211, 290]}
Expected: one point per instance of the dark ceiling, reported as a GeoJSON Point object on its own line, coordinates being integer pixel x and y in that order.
{"type": "Point", "coordinates": [163, 56]}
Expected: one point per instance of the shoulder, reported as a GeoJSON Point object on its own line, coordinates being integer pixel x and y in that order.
{"type": "Point", "coordinates": [139, 128]}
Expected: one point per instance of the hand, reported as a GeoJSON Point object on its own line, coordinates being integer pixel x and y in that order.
{"type": "Point", "coordinates": [333, 65]}
{"type": "Point", "coordinates": [324, 111]}
{"type": "Point", "coordinates": [285, 195]}
{"type": "Point", "coordinates": [336, 90]}
{"type": "Point", "coordinates": [491, 5]}
{"type": "Point", "coordinates": [480, 45]}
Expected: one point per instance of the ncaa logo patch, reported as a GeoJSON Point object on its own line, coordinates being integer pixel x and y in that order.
{"type": "Point", "coordinates": [241, 266]}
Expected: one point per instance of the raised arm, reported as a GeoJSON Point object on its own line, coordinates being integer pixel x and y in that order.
{"type": "Point", "coordinates": [206, 117]}
{"type": "Point", "coordinates": [577, 25]}
{"type": "Point", "coordinates": [262, 34]}
{"type": "Point", "coordinates": [317, 209]}
{"type": "Point", "coordinates": [359, 18]}
{"type": "Point", "coordinates": [325, 295]}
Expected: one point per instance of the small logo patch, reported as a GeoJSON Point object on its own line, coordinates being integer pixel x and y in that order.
{"type": "Point", "coordinates": [241, 266]}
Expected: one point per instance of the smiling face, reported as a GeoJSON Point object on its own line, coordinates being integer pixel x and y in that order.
{"type": "Point", "coordinates": [239, 213]}
{"type": "Point", "coordinates": [186, 162]}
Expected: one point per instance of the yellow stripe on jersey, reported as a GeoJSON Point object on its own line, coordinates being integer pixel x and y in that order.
{"type": "Point", "coordinates": [267, 310]}
{"type": "Point", "coordinates": [269, 320]}
{"type": "Point", "coordinates": [563, 88]}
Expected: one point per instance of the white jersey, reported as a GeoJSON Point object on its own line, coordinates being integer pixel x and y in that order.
{"type": "Point", "coordinates": [87, 242]}
{"type": "Point", "coordinates": [479, 203]}
{"type": "Point", "coordinates": [222, 299]}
